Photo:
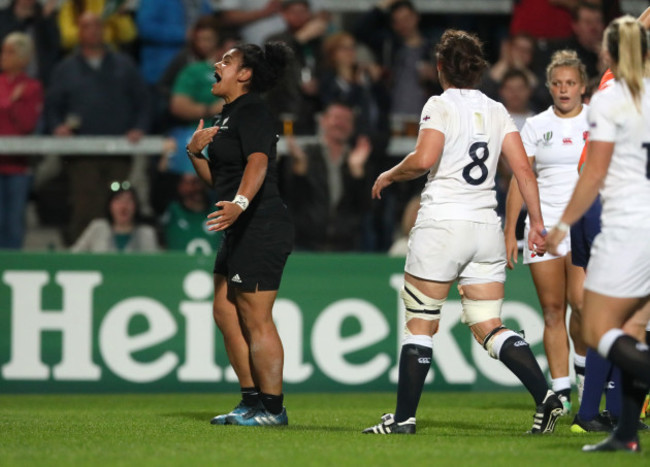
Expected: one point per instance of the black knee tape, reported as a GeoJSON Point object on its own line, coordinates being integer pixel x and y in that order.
{"type": "Point", "coordinates": [491, 334]}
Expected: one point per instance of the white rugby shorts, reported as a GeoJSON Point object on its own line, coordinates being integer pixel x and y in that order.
{"type": "Point", "coordinates": [563, 249]}
{"type": "Point", "coordinates": [472, 252]}
{"type": "Point", "coordinates": [620, 263]}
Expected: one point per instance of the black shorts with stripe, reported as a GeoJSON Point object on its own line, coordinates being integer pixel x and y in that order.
{"type": "Point", "coordinates": [253, 254]}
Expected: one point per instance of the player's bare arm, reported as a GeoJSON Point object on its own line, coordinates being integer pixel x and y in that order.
{"type": "Point", "coordinates": [523, 188]}
{"type": "Point", "coordinates": [428, 148]}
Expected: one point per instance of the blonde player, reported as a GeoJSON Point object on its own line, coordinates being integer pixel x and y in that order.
{"type": "Point", "coordinates": [618, 277]}
{"type": "Point", "coordinates": [553, 141]}
{"type": "Point", "coordinates": [457, 234]}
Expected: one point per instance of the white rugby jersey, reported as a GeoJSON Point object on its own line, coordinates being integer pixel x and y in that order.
{"type": "Point", "coordinates": [613, 117]}
{"type": "Point", "coordinates": [460, 186]}
{"type": "Point", "coordinates": [557, 145]}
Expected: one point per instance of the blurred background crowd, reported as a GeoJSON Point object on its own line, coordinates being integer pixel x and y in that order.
{"type": "Point", "coordinates": [132, 69]}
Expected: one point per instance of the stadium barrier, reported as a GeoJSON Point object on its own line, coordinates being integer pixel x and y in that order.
{"type": "Point", "coordinates": [399, 146]}
{"type": "Point", "coordinates": [143, 323]}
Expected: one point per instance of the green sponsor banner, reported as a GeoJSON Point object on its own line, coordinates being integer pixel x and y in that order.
{"type": "Point", "coordinates": [129, 323]}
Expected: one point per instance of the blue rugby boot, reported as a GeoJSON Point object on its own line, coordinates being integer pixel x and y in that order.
{"type": "Point", "coordinates": [223, 419]}
{"type": "Point", "coordinates": [259, 416]}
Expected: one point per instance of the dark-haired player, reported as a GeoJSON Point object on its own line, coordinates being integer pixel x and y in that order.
{"type": "Point", "coordinates": [258, 231]}
{"type": "Point", "coordinates": [457, 235]}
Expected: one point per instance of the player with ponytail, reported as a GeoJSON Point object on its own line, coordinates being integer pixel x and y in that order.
{"type": "Point", "coordinates": [617, 286]}
{"type": "Point", "coordinates": [258, 231]}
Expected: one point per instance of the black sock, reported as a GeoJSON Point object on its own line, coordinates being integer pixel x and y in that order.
{"type": "Point", "coordinates": [515, 354]}
{"type": "Point", "coordinates": [580, 370]}
{"type": "Point", "coordinates": [631, 356]}
{"type": "Point", "coordinates": [634, 392]}
{"type": "Point", "coordinates": [414, 364]}
{"type": "Point", "coordinates": [565, 392]}
{"type": "Point", "coordinates": [272, 403]}
{"type": "Point", "coordinates": [250, 396]}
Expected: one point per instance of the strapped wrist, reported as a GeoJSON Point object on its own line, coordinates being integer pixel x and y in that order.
{"type": "Point", "coordinates": [241, 201]}
{"type": "Point", "coordinates": [562, 226]}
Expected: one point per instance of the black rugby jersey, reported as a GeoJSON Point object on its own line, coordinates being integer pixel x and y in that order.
{"type": "Point", "coordinates": [246, 127]}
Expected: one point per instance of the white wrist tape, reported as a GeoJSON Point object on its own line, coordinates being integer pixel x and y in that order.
{"type": "Point", "coordinates": [563, 226]}
{"type": "Point", "coordinates": [241, 201]}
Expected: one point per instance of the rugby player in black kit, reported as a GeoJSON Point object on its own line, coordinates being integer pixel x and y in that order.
{"type": "Point", "coordinates": [258, 231]}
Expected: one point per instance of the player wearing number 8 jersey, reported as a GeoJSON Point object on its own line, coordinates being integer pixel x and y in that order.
{"type": "Point", "coordinates": [457, 235]}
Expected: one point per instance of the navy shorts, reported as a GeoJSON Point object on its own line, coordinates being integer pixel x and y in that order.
{"type": "Point", "coordinates": [583, 233]}
{"type": "Point", "coordinates": [253, 254]}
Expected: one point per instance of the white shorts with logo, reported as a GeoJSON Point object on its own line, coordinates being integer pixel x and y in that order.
{"type": "Point", "coordinates": [472, 252]}
{"type": "Point", "coordinates": [563, 249]}
{"type": "Point", "coordinates": [620, 263]}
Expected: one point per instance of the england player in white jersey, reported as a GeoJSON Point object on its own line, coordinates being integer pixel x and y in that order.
{"type": "Point", "coordinates": [553, 141]}
{"type": "Point", "coordinates": [457, 235]}
{"type": "Point", "coordinates": [618, 275]}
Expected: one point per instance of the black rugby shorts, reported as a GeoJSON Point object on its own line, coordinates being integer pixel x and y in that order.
{"type": "Point", "coordinates": [252, 257]}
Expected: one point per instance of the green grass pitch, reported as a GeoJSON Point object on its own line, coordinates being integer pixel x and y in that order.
{"type": "Point", "coordinates": [454, 429]}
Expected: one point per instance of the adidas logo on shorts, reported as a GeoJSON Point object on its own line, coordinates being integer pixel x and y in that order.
{"type": "Point", "coordinates": [236, 278]}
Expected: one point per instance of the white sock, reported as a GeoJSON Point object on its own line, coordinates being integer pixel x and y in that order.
{"type": "Point", "coordinates": [418, 339]}
{"type": "Point", "coordinates": [606, 342]}
{"type": "Point", "coordinates": [560, 384]}
{"type": "Point", "coordinates": [579, 360]}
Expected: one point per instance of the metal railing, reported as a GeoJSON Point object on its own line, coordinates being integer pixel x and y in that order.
{"type": "Point", "coordinates": [399, 146]}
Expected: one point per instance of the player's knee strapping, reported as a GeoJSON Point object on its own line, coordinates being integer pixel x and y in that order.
{"type": "Point", "coordinates": [419, 305]}
{"type": "Point", "coordinates": [493, 341]}
{"type": "Point", "coordinates": [477, 311]}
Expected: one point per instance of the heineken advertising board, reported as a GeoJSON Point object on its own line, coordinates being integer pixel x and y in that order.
{"type": "Point", "coordinates": [128, 323]}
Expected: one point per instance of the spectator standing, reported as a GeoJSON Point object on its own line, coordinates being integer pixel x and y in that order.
{"type": "Point", "coordinates": [191, 98]}
{"type": "Point", "coordinates": [95, 91]}
{"type": "Point", "coordinates": [118, 28]}
{"type": "Point", "coordinates": [39, 22]}
{"type": "Point", "coordinates": [163, 27]}
{"type": "Point", "coordinates": [358, 83]}
{"type": "Point", "coordinates": [516, 52]}
{"type": "Point", "coordinates": [391, 30]}
{"type": "Point", "coordinates": [327, 185]}
{"type": "Point", "coordinates": [200, 47]}
{"type": "Point", "coordinates": [296, 98]}
{"type": "Point", "coordinates": [587, 26]}
{"type": "Point", "coordinates": [21, 103]}
{"type": "Point", "coordinates": [121, 229]}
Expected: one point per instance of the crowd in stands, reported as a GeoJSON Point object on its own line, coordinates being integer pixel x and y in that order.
{"type": "Point", "coordinates": [145, 67]}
